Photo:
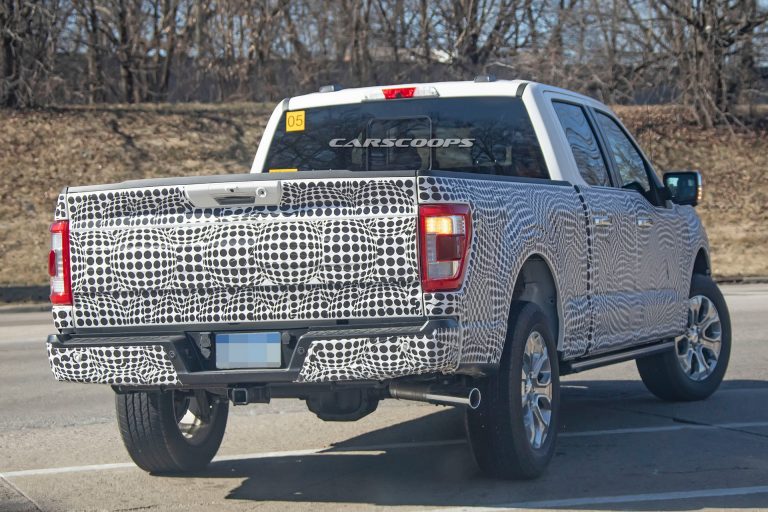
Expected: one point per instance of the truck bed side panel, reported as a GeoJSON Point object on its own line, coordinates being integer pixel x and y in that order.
{"type": "Point", "coordinates": [511, 221]}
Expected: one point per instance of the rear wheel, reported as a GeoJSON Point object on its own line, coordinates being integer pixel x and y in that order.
{"type": "Point", "coordinates": [513, 432]}
{"type": "Point", "coordinates": [171, 431]}
{"type": "Point", "coordinates": [695, 369]}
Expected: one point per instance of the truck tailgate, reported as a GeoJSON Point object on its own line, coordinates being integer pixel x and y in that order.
{"type": "Point", "coordinates": [325, 248]}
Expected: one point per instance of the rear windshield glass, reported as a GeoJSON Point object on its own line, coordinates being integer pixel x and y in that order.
{"type": "Point", "coordinates": [481, 135]}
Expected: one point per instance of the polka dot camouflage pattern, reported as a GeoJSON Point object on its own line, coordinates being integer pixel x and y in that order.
{"type": "Point", "coordinates": [62, 317]}
{"type": "Point", "coordinates": [61, 208]}
{"type": "Point", "coordinates": [332, 249]}
{"type": "Point", "coordinates": [131, 366]}
{"type": "Point", "coordinates": [346, 249]}
{"type": "Point", "coordinates": [277, 242]}
{"type": "Point", "coordinates": [381, 358]}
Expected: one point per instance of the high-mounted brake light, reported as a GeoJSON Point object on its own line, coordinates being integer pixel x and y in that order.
{"type": "Point", "coordinates": [400, 93]}
{"type": "Point", "coordinates": [58, 264]}
{"type": "Point", "coordinates": [444, 234]}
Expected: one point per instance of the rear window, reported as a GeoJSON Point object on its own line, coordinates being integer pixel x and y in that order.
{"type": "Point", "coordinates": [480, 135]}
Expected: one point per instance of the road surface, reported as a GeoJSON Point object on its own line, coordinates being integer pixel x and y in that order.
{"type": "Point", "coordinates": [619, 448]}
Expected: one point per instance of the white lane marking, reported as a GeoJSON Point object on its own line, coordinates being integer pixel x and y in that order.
{"type": "Point", "coordinates": [664, 428]}
{"type": "Point", "coordinates": [328, 450]}
{"type": "Point", "coordinates": [67, 469]}
{"type": "Point", "coordinates": [615, 500]}
{"type": "Point", "coordinates": [331, 450]}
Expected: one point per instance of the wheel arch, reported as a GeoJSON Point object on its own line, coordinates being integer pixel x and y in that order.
{"type": "Point", "coordinates": [536, 282]}
{"type": "Point", "coordinates": [701, 263]}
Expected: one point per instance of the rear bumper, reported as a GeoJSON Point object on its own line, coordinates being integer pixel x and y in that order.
{"type": "Point", "coordinates": [187, 359]}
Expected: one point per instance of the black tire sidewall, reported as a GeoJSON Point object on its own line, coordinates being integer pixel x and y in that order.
{"type": "Point", "coordinates": [531, 318]}
{"type": "Point", "coordinates": [496, 430]}
{"type": "Point", "coordinates": [186, 455]}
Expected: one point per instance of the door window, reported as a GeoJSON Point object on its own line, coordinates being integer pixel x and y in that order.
{"type": "Point", "coordinates": [626, 158]}
{"type": "Point", "coordinates": [581, 137]}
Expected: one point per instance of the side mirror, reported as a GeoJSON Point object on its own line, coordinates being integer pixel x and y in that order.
{"type": "Point", "coordinates": [683, 187]}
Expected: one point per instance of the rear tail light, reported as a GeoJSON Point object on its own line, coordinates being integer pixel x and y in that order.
{"type": "Point", "coordinates": [58, 264]}
{"type": "Point", "coordinates": [444, 232]}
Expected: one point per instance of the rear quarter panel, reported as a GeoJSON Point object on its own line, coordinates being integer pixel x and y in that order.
{"type": "Point", "coordinates": [512, 221]}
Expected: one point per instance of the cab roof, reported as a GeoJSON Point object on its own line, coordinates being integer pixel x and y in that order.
{"type": "Point", "coordinates": [454, 89]}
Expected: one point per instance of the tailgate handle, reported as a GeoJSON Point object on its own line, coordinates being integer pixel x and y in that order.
{"type": "Point", "coordinates": [222, 195]}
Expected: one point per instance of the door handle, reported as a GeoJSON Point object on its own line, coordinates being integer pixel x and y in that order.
{"type": "Point", "coordinates": [644, 222]}
{"type": "Point", "coordinates": [602, 220]}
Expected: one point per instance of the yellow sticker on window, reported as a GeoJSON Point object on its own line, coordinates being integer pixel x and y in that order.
{"type": "Point", "coordinates": [283, 170]}
{"type": "Point", "coordinates": [294, 121]}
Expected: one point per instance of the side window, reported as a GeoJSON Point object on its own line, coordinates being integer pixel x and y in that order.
{"type": "Point", "coordinates": [583, 142]}
{"type": "Point", "coordinates": [627, 160]}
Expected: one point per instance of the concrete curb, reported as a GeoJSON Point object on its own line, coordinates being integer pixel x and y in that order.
{"type": "Point", "coordinates": [13, 294]}
{"type": "Point", "coordinates": [741, 280]}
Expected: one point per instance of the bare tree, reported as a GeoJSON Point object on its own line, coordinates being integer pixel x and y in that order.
{"type": "Point", "coordinates": [29, 34]}
{"type": "Point", "coordinates": [90, 21]}
{"type": "Point", "coordinates": [705, 33]}
{"type": "Point", "coordinates": [707, 54]}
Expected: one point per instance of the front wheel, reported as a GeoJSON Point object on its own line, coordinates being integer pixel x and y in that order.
{"type": "Point", "coordinates": [171, 431]}
{"type": "Point", "coordinates": [513, 432]}
{"type": "Point", "coordinates": [695, 369]}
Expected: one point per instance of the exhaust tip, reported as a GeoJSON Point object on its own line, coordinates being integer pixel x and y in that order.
{"type": "Point", "coordinates": [474, 398]}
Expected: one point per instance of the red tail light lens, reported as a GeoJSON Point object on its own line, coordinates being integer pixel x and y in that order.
{"type": "Point", "coordinates": [58, 264]}
{"type": "Point", "coordinates": [444, 234]}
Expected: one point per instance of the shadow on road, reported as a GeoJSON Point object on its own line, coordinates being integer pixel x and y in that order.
{"type": "Point", "coordinates": [703, 457]}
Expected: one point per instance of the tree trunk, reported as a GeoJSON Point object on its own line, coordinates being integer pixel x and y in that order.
{"type": "Point", "coordinates": [95, 72]}
{"type": "Point", "coordinates": [10, 92]}
{"type": "Point", "coordinates": [125, 54]}
{"type": "Point", "coordinates": [170, 12]}
{"type": "Point", "coordinates": [424, 31]}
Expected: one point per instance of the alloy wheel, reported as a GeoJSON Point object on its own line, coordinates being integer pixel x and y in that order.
{"type": "Point", "coordinates": [193, 421]}
{"type": "Point", "coordinates": [699, 348]}
{"type": "Point", "coordinates": [536, 389]}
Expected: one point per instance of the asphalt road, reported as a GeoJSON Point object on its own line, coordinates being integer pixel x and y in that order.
{"type": "Point", "coordinates": [619, 448]}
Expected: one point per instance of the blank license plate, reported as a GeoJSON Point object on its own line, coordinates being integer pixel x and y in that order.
{"type": "Point", "coordinates": [248, 350]}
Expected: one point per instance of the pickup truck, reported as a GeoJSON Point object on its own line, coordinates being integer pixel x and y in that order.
{"type": "Point", "coordinates": [458, 243]}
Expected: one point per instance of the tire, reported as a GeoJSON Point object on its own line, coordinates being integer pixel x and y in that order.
{"type": "Point", "coordinates": [668, 375]}
{"type": "Point", "coordinates": [497, 429]}
{"type": "Point", "coordinates": [162, 437]}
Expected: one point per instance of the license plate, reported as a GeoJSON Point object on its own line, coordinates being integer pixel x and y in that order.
{"type": "Point", "coordinates": [248, 350]}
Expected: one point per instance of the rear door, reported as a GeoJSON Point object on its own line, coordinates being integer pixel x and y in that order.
{"type": "Point", "coordinates": [612, 230]}
{"type": "Point", "coordinates": [319, 246]}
